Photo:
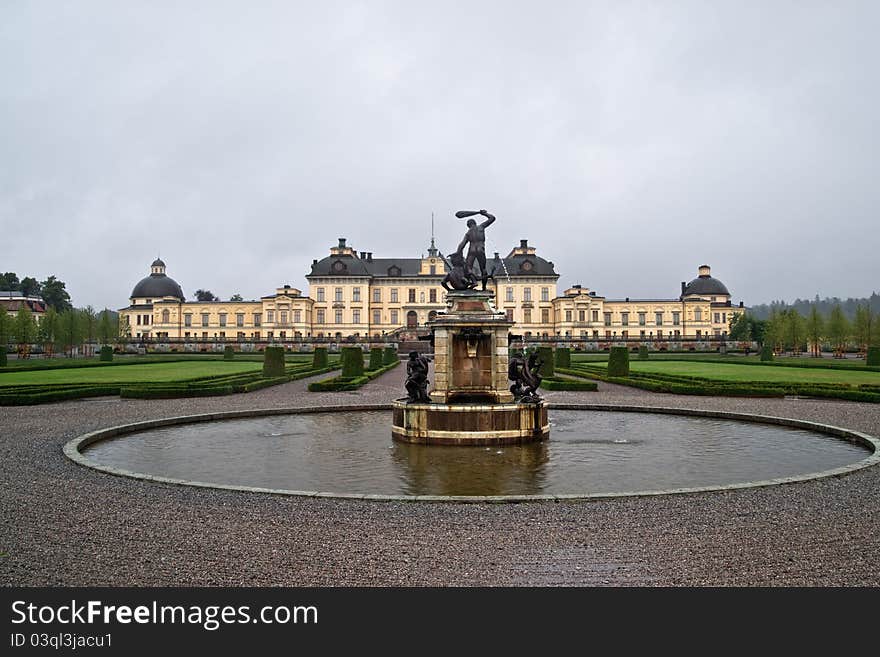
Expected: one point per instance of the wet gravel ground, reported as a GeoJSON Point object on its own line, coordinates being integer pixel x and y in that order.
{"type": "Point", "coordinates": [62, 524]}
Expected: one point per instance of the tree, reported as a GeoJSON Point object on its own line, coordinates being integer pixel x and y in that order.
{"type": "Point", "coordinates": [70, 323]}
{"type": "Point", "coordinates": [90, 323]}
{"type": "Point", "coordinates": [815, 328]}
{"type": "Point", "coordinates": [838, 330]}
{"type": "Point", "coordinates": [5, 326]}
{"type": "Point", "coordinates": [236, 297]}
{"type": "Point", "coordinates": [774, 333]}
{"type": "Point", "coordinates": [864, 327]}
{"type": "Point", "coordinates": [30, 287]}
{"type": "Point", "coordinates": [740, 328]}
{"type": "Point", "coordinates": [106, 331]}
{"type": "Point", "coordinates": [25, 327]}
{"type": "Point", "coordinates": [9, 281]}
{"type": "Point", "coordinates": [55, 295]}
{"type": "Point", "coordinates": [794, 329]}
{"type": "Point", "coordinates": [47, 331]}
{"type": "Point", "coordinates": [205, 295]}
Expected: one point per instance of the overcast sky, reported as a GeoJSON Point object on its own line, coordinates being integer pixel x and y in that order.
{"type": "Point", "coordinates": [630, 142]}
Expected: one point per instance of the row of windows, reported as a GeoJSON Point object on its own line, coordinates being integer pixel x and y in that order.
{"type": "Point", "coordinates": [527, 294]}
{"type": "Point", "coordinates": [283, 317]}
{"type": "Point", "coordinates": [377, 295]}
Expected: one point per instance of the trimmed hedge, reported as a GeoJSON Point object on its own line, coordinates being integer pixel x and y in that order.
{"type": "Point", "coordinates": [643, 352]}
{"type": "Point", "coordinates": [872, 358]}
{"type": "Point", "coordinates": [563, 357]}
{"type": "Point", "coordinates": [390, 356]}
{"type": "Point", "coordinates": [548, 370]}
{"type": "Point", "coordinates": [106, 354]}
{"type": "Point", "coordinates": [228, 352]}
{"type": "Point", "coordinates": [352, 362]}
{"type": "Point", "coordinates": [568, 384]}
{"type": "Point", "coordinates": [375, 358]}
{"type": "Point", "coordinates": [341, 383]}
{"type": "Point", "coordinates": [273, 362]}
{"type": "Point", "coordinates": [320, 359]}
{"type": "Point", "coordinates": [766, 353]}
{"type": "Point", "coordinates": [618, 361]}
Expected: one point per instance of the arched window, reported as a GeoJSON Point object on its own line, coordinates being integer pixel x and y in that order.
{"type": "Point", "coordinates": [412, 319]}
{"type": "Point", "coordinates": [432, 315]}
{"type": "Point", "coordinates": [166, 316]}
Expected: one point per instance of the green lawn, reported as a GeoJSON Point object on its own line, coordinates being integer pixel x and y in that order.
{"type": "Point", "coordinates": [153, 372]}
{"type": "Point", "coordinates": [733, 372]}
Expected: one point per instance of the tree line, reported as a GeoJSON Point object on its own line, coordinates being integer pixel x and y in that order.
{"type": "Point", "coordinates": [824, 306]}
{"type": "Point", "coordinates": [52, 290]}
{"type": "Point", "coordinates": [787, 329]}
{"type": "Point", "coordinates": [57, 332]}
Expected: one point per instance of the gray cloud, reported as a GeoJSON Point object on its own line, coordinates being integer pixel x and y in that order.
{"type": "Point", "coordinates": [630, 142]}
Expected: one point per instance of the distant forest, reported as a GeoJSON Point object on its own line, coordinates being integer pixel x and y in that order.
{"type": "Point", "coordinates": [762, 311]}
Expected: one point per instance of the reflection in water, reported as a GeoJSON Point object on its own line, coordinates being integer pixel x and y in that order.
{"type": "Point", "coordinates": [588, 452]}
{"type": "Point", "coordinates": [451, 470]}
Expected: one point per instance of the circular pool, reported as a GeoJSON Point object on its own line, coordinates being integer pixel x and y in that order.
{"type": "Point", "coordinates": [590, 453]}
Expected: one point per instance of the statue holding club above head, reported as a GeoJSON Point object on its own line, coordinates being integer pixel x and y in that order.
{"type": "Point", "coordinates": [475, 237]}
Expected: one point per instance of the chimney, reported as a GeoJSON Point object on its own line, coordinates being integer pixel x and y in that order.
{"type": "Point", "coordinates": [497, 257]}
{"type": "Point", "coordinates": [627, 298]}
{"type": "Point", "coordinates": [369, 256]}
{"type": "Point", "coordinates": [314, 262]}
{"type": "Point", "coordinates": [683, 285]}
{"type": "Point", "coordinates": [286, 286]}
{"type": "Point", "coordinates": [523, 244]}
{"type": "Point", "coordinates": [363, 255]}
{"type": "Point", "coordinates": [341, 242]}
{"type": "Point", "coordinates": [740, 304]}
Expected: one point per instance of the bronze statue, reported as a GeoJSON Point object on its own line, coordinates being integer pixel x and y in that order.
{"type": "Point", "coordinates": [457, 278]}
{"type": "Point", "coordinates": [526, 376]}
{"type": "Point", "coordinates": [476, 238]}
{"type": "Point", "coordinates": [417, 378]}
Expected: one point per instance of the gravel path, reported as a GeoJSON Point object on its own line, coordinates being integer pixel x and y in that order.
{"type": "Point", "coordinates": [62, 524]}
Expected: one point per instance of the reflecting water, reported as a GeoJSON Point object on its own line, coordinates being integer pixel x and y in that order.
{"type": "Point", "coordinates": [588, 452]}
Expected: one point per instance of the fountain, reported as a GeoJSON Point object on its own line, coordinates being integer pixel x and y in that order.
{"type": "Point", "coordinates": [470, 402]}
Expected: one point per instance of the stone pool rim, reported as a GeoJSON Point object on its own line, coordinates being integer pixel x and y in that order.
{"type": "Point", "coordinates": [73, 451]}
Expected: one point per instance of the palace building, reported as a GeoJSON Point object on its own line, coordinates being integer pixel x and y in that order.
{"type": "Point", "coordinates": [353, 294]}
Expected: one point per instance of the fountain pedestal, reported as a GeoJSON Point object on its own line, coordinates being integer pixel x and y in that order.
{"type": "Point", "coordinates": [471, 402]}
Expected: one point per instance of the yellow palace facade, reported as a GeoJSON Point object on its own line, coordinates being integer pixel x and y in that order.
{"type": "Point", "coordinates": [353, 294]}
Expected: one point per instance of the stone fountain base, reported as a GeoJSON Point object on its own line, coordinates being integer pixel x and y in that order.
{"type": "Point", "coordinates": [469, 423]}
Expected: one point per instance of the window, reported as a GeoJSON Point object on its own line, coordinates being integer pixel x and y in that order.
{"type": "Point", "coordinates": [642, 319]}
{"type": "Point", "coordinates": [204, 335]}
{"type": "Point", "coordinates": [567, 315]}
{"type": "Point", "coordinates": [270, 316]}
{"type": "Point", "coordinates": [356, 294]}
{"type": "Point", "coordinates": [677, 333]}
{"type": "Point", "coordinates": [205, 317]}
{"type": "Point", "coordinates": [283, 335]}
{"type": "Point", "coordinates": [595, 335]}
{"type": "Point", "coordinates": [432, 295]}
{"type": "Point", "coordinates": [596, 316]}
{"type": "Point", "coordinates": [642, 335]}
{"type": "Point", "coordinates": [527, 315]}
{"type": "Point", "coordinates": [509, 313]}
{"type": "Point", "coordinates": [283, 316]}
{"type": "Point", "coordinates": [320, 296]}
{"type": "Point", "coordinates": [698, 316]}
{"type": "Point", "coordinates": [582, 315]}
{"type": "Point", "coordinates": [624, 319]}
{"type": "Point", "coordinates": [377, 317]}
{"type": "Point", "coordinates": [297, 316]}
{"type": "Point", "coordinates": [545, 315]}
{"type": "Point", "coordinates": [320, 316]}
{"type": "Point", "coordinates": [717, 318]}
{"type": "Point", "coordinates": [356, 316]}
{"type": "Point", "coordinates": [337, 294]}
{"type": "Point", "coordinates": [624, 334]}
{"type": "Point", "coordinates": [270, 335]}
{"type": "Point", "coordinates": [377, 295]}
{"type": "Point", "coordinates": [394, 296]}
{"type": "Point", "coordinates": [256, 335]}
{"type": "Point", "coordinates": [239, 336]}
{"type": "Point", "coordinates": [139, 320]}
{"type": "Point", "coordinates": [222, 335]}
{"type": "Point", "coordinates": [508, 294]}
{"type": "Point", "coordinates": [658, 319]}
{"type": "Point", "coordinates": [338, 316]}
{"type": "Point", "coordinates": [676, 318]}
{"type": "Point", "coordinates": [433, 270]}
{"type": "Point", "coordinates": [258, 319]}
{"type": "Point", "coordinates": [394, 317]}
{"type": "Point", "coordinates": [239, 319]}
{"type": "Point", "coordinates": [188, 319]}
{"type": "Point", "coordinates": [607, 319]}
{"type": "Point", "coordinates": [222, 319]}
{"type": "Point", "coordinates": [422, 296]}
{"type": "Point", "coordinates": [166, 316]}
{"type": "Point", "coordinates": [527, 294]}
{"type": "Point", "coordinates": [545, 294]}
{"type": "Point", "coordinates": [412, 295]}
